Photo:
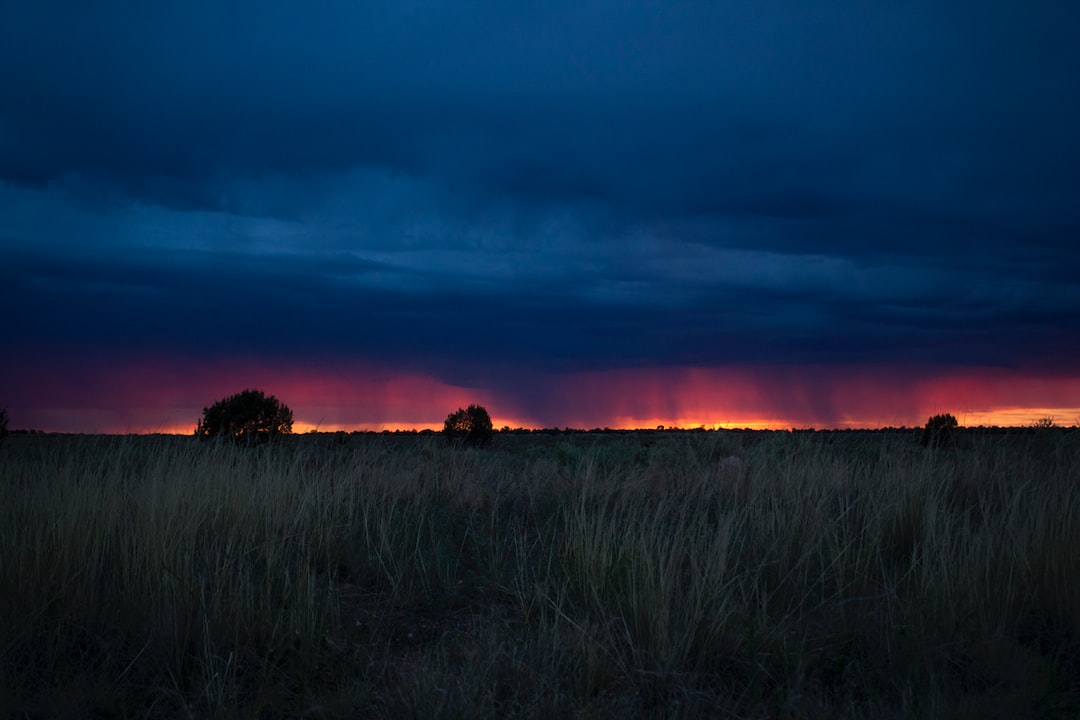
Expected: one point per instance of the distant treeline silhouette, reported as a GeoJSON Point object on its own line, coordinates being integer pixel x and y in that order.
{"type": "Point", "coordinates": [253, 417]}
{"type": "Point", "coordinates": [471, 426]}
{"type": "Point", "coordinates": [249, 416]}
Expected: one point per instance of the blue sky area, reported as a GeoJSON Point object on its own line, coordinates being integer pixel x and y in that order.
{"type": "Point", "coordinates": [593, 213]}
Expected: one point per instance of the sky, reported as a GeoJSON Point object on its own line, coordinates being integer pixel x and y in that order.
{"type": "Point", "coordinates": [752, 213]}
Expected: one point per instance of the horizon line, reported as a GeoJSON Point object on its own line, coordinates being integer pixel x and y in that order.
{"type": "Point", "coordinates": [428, 430]}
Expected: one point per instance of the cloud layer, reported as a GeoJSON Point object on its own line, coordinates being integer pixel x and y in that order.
{"type": "Point", "coordinates": [486, 195]}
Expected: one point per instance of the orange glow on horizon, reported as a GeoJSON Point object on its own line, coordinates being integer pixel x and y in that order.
{"type": "Point", "coordinates": [1001, 417]}
{"type": "Point", "coordinates": [632, 423]}
{"type": "Point", "coordinates": [996, 417]}
{"type": "Point", "coordinates": [166, 396]}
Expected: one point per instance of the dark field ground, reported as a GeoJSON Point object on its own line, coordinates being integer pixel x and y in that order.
{"type": "Point", "coordinates": [650, 574]}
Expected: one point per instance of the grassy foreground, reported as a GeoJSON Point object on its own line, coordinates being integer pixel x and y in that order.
{"type": "Point", "coordinates": [854, 575]}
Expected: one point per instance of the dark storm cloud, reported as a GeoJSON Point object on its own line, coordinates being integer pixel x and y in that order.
{"type": "Point", "coordinates": [566, 185]}
{"type": "Point", "coordinates": [774, 108]}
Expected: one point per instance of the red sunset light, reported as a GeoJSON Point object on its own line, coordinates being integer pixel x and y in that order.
{"type": "Point", "coordinates": [160, 396]}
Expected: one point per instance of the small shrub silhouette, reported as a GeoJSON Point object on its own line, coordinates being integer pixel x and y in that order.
{"type": "Point", "coordinates": [248, 417]}
{"type": "Point", "coordinates": [940, 431]}
{"type": "Point", "coordinates": [471, 426]}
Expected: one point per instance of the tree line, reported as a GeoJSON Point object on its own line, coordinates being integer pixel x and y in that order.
{"type": "Point", "coordinates": [253, 417]}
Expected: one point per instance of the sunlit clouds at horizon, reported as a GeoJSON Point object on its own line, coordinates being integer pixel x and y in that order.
{"type": "Point", "coordinates": [165, 396]}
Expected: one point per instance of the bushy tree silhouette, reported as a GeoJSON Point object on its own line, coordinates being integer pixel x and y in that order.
{"type": "Point", "coordinates": [472, 426]}
{"type": "Point", "coordinates": [940, 431]}
{"type": "Point", "coordinates": [249, 417]}
{"type": "Point", "coordinates": [3, 424]}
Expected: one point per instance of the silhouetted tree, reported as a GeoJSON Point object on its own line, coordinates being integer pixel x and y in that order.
{"type": "Point", "coordinates": [471, 425]}
{"type": "Point", "coordinates": [940, 431]}
{"type": "Point", "coordinates": [3, 424]}
{"type": "Point", "coordinates": [248, 416]}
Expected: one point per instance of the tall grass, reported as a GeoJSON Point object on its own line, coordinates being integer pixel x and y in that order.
{"type": "Point", "coordinates": [850, 575]}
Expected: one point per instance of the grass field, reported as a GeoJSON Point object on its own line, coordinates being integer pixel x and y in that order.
{"type": "Point", "coordinates": [821, 575]}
